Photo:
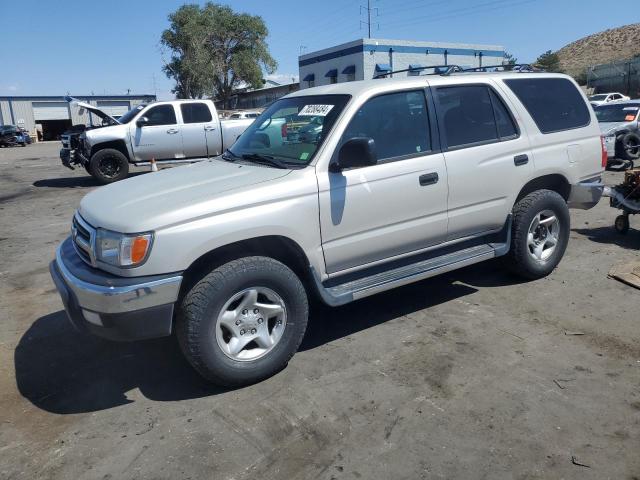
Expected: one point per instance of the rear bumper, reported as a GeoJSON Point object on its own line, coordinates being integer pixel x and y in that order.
{"type": "Point", "coordinates": [586, 194]}
{"type": "Point", "coordinates": [113, 307]}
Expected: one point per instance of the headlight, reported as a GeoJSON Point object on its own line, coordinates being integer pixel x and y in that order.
{"type": "Point", "coordinates": [122, 250]}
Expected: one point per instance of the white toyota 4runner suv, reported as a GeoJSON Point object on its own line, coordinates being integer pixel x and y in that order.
{"type": "Point", "coordinates": [409, 178]}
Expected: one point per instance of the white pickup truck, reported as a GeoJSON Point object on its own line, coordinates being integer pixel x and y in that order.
{"type": "Point", "coordinates": [177, 131]}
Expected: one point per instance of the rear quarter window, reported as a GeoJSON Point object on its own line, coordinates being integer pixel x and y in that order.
{"type": "Point", "coordinates": [555, 104]}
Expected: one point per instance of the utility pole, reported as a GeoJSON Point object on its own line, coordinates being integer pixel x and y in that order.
{"type": "Point", "coordinates": [369, 10]}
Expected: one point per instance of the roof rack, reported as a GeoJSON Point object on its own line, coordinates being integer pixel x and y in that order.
{"type": "Point", "coordinates": [514, 67]}
{"type": "Point", "coordinates": [438, 70]}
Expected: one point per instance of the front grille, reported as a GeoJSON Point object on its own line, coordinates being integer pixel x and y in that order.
{"type": "Point", "coordinates": [83, 236]}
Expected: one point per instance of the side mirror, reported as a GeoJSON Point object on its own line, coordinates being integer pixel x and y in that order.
{"type": "Point", "coordinates": [355, 152]}
{"type": "Point", "coordinates": [142, 121]}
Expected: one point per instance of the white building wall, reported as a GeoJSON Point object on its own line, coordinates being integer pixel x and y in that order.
{"type": "Point", "coordinates": [366, 53]}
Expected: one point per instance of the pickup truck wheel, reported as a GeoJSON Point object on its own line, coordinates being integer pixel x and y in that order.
{"type": "Point", "coordinates": [540, 234]}
{"type": "Point", "coordinates": [243, 321]}
{"type": "Point", "coordinates": [108, 166]}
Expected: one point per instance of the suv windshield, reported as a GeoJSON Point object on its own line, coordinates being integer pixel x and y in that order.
{"type": "Point", "coordinates": [127, 117]}
{"type": "Point", "coordinates": [621, 112]}
{"type": "Point", "coordinates": [282, 131]}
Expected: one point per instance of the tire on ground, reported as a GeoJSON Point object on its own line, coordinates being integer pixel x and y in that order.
{"type": "Point", "coordinates": [628, 146]}
{"type": "Point", "coordinates": [198, 312]}
{"type": "Point", "coordinates": [520, 259]}
{"type": "Point", "coordinates": [103, 158]}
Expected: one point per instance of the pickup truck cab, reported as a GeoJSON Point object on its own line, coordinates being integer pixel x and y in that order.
{"type": "Point", "coordinates": [407, 179]}
{"type": "Point", "coordinates": [177, 131]}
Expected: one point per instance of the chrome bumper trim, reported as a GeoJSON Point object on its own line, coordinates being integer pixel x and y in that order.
{"type": "Point", "coordinates": [110, 299]}
{"type": "Point", "coordinates": [586, 195]}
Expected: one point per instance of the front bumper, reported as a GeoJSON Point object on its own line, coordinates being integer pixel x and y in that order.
{"type": "Point", "coordinates": [586, 194]}
{"type": "Point", "coordinates": [116, 308]}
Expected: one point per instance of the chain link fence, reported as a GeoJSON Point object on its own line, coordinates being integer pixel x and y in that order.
{"type": "Point", "coordinates": [621, 76]}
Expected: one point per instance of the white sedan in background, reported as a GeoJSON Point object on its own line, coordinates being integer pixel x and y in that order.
{"type": "Point", "coordinates": [602, 98]}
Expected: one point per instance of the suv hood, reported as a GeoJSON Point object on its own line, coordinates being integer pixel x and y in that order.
{"type": "Point", "coordinates": [172, 196]}
{"type": "Point", "coordinates": [95, 110]}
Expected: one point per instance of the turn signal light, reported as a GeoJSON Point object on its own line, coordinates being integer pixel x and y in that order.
{"type": "Point", "coordinates": [139, 247]}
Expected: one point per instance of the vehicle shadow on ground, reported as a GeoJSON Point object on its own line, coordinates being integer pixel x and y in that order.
{"type": "Point", "coordinates": [63, 371]}
{"type": "Point", "coordinates": [609, 235]}
{"type": "Point", "coordinates": [74, 182]}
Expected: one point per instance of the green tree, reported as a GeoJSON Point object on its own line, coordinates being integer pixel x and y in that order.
{"type": "Point", "coordinates": [215, 50]}
{"type": "Point", "coordinates": [549, 61]}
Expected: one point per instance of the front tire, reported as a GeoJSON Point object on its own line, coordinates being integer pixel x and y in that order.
{"type": "Point", "coordinates": [539, 235]}
{"type": "Point", "coordinates": [628, 146]}
{"type": "Point", "coordinates": [243, 321]}
{"type": "Point", "coordinates": [108, 166]}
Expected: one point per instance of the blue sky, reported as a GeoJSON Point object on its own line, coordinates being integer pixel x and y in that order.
{"type": "Point", "coordinates": [108, 47]}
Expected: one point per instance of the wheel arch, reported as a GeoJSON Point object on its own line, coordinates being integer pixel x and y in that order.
{"type": "Point", "coordinates": [554, 181]}
{"type": "Point", "coordinates": [119, 145]}
{"type": "Point", "coordinates": [278, 247]}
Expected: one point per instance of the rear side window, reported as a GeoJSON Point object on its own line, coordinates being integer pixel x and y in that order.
{"type": "Point", "coordinates": [195, 113]}
{"type": "Point", "coordinates": [472, 115]}
{"type": "Point", "coordinates": [397, 122]}
{"type": "Point", "coordinates": [555, 104]}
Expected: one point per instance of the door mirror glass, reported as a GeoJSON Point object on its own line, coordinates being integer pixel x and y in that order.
{"type": "Point", "coordinates": [356, 152]}
{"type": "Point", "coordinates": [142, 121]}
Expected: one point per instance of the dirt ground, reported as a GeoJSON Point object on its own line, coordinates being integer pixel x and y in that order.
{"type": "Point", "coordinates": [470, 375]}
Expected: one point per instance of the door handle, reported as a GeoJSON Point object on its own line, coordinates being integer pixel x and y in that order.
{"type": "Point", "coordinates": [428, 179]}
{"type": "Point", "coordinates": [209, 128]}
{"type": "Point", "coordinates": [520, 160]}
{"type": "Point", "coordinates": [171, 131]}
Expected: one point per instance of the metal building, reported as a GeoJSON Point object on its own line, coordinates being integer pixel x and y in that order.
{"type": "Point", "coordinates": [366, 57]}
{"type": "Point", "coordinates": [48, 117]}
{"type": "Point", "coordinates": [622, 76]}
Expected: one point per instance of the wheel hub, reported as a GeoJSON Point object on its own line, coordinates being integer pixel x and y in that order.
{"type": "Point", "coordinates": [251, 324]}
{"type": "Point", "coordinates": [543, 237]}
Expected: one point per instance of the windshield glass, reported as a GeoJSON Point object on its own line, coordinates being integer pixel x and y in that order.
{"type": "Point", "coordinates": [597, 97]}
{"type": "Point", "coordinates": [291, 129]}
{"type": "Point", "coordinates": [127, 117]}
{"type": "Point", "coordinates": [617, 112]}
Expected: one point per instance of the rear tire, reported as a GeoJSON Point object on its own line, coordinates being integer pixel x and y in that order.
{"type": "Point", "coordinates": [539, 234]}
{"type": "Point", "coordinates": [108, 166]}
{"type": "Point", "coordinates": [621, 224]}
{"type": "Point", "coordinates": [243, 321]}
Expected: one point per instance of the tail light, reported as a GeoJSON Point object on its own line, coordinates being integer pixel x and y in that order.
{"type": "Point", "coordinates": [284, 130]}
{"type": "Point", "coordinates": [604, 152]}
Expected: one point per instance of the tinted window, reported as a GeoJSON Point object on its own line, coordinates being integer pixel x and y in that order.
{"type": "Point", "coordinates": [467, 115]}
{"type": "Point", "coordinates": [554, 103]}
{"type": "Point", "coordinates": [195, 113]}
{"type": "Point", "coordinates": [161, 115]}
{"type": "Point", "coordinates": [506, 127]}
{"type": "Point", "coordinates": [617, 112]}
{"type": "Point", "coordinates": [397, 122]}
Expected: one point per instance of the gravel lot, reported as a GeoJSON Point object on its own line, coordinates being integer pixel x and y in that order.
{"type": "Point", "coordinates": [474, 374]}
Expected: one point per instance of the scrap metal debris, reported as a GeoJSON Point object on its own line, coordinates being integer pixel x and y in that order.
{"type": "Point", "coordinates": [575, 461]}
{"type": "Point", "coordinates": [628, 273]}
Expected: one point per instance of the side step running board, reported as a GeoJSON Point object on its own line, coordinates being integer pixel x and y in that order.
{"type": "Point", "coordinates": [380, 282]}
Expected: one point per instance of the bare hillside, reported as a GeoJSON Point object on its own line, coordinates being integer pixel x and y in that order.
{"type": "Point", "coordinates": [614, 44]}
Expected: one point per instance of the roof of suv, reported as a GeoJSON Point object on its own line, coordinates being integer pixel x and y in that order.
{"type": "Point", "coordinates": [382, 84]}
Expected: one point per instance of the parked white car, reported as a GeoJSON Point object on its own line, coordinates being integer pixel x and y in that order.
{"type": "Point", "coordinates": [602, 98]}
{"type": "Point", "coordinates": [407, 179]}
{"type": "Point", "coordinates": [177, 131]}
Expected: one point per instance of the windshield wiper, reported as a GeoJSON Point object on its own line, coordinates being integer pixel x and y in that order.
{"type": "Point", "coordinates": [229, 156]}
{"type": "Point", "coordinates": [265, 159]}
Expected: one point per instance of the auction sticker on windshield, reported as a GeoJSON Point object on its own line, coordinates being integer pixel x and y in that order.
{"type": "Point", "coordinates": [315, 110]}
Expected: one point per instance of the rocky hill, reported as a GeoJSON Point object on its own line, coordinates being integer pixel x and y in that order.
{"type": "Point", "coordinates": [614, 44]}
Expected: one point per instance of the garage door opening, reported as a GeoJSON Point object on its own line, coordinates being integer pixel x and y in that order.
{"type": "Point", "coordinates": [52, 119]}
{"type": "Point", "coordinates": [52, 129]}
